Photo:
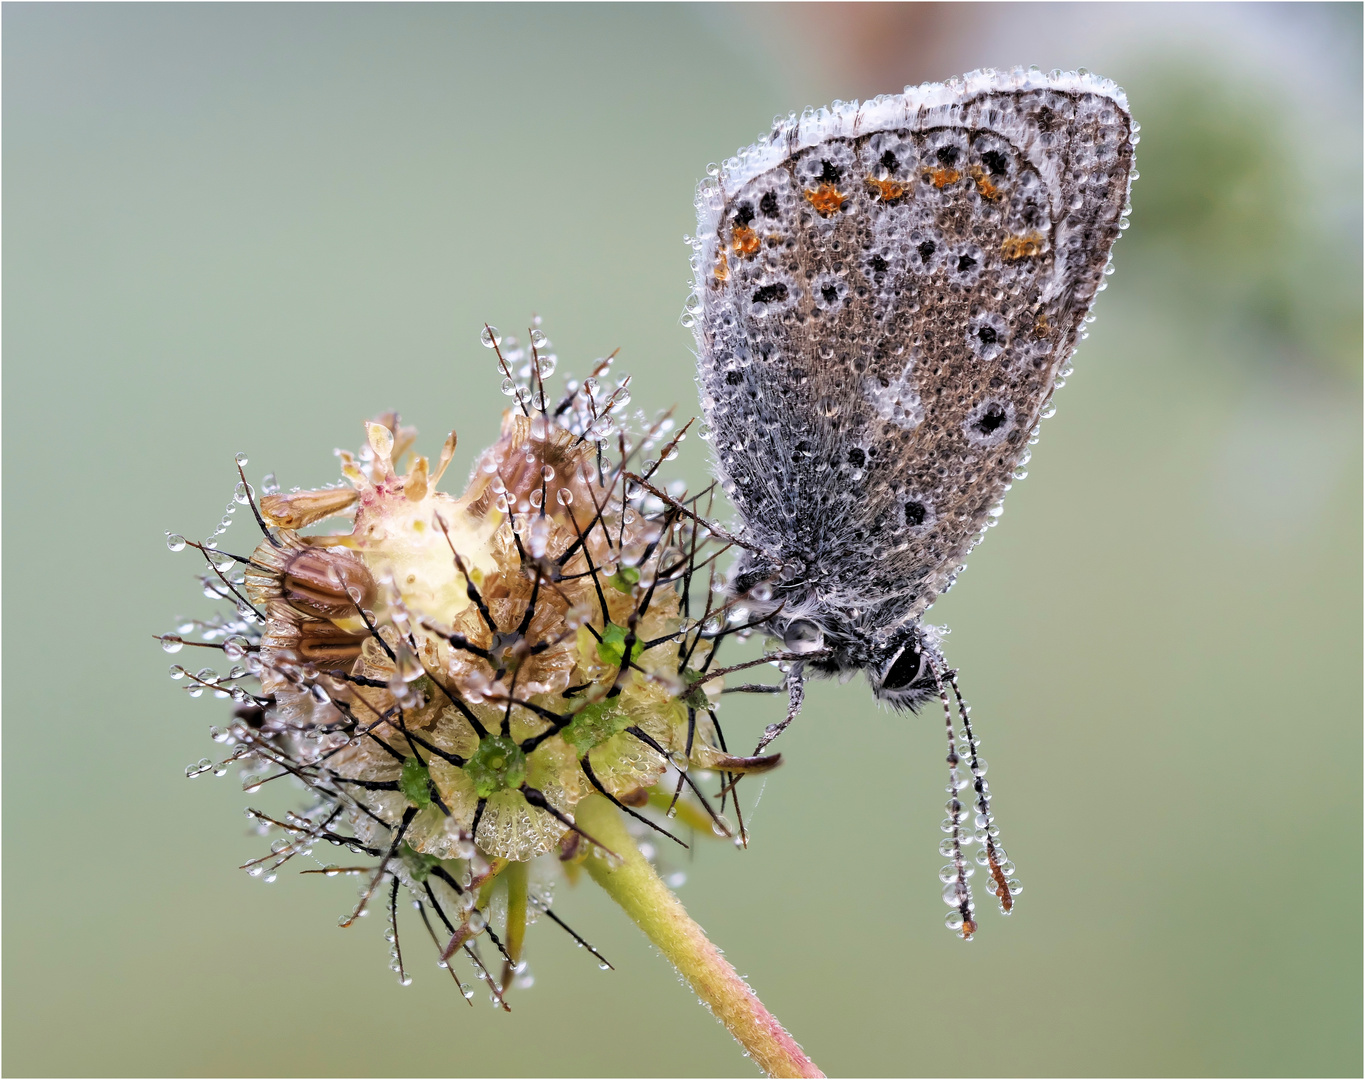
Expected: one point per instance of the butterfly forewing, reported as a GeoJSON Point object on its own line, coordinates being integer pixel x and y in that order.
{"type": "Point", "coordinates": [887, 295]}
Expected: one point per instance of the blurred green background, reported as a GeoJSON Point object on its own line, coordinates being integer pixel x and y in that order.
{"type": "Point", "coordinates": [248, 227]}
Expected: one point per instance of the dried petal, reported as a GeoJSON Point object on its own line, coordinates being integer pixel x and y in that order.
{"type": "Point", "coordinates": [298, 509]}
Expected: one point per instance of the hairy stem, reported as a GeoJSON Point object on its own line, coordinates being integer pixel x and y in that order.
{"type": "Point", "coordinates": [636, 887]}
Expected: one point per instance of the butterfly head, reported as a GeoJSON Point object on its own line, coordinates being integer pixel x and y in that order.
{"type": "Point", "coordinates": [900, 666]}
{"type": "Point", "coordinates": [902, 671]}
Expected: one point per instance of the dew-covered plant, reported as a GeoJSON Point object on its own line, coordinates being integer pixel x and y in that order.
{"type": "Point", "coordinates": [479, 698]}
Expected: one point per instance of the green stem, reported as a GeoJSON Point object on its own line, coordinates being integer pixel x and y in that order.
{"type": "Point", "coordinates": [636, 887]}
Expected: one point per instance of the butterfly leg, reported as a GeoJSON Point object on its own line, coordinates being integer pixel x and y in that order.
{"type": "Point", "coordinates": [796, 695]}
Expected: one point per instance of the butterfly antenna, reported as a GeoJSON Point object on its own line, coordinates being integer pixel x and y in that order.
{"type": "Point", "coordinates": [995, 859]}
{"type": "Point", "coordinates": [957, 891]}
{"type": "Point", "coordinates": [796, 697]}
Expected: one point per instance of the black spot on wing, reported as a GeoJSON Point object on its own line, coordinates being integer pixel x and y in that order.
{"type": "Point", "coordinates": [995, 161]}
{"type": "Point", "coordinates": [992, 419]}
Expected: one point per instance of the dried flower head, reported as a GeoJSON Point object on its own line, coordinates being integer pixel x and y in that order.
{"type": "Point", "coordinates": [447, 678]}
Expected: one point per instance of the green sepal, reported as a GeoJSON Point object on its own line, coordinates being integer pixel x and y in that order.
{"type": "Point", "coordinates": [625, 579]}
{"type": "Point", "coordinates": [612, 647]}
{"type": "Point", "coordinates": [695, 697]}
{"type": "Point", "coordinates": [594, 724]}
{"type": "Point", "coordinates": [415, 783]}
{"type": "Point", "coordinates": [418, 864]}
{"type": "Point", "coordinates": [497, 764]}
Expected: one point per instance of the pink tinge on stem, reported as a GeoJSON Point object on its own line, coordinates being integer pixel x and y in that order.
{"type": "Point", "coordinates": [647, 900]}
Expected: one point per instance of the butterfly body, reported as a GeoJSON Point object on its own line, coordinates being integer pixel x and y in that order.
{"type": "Point", "coordinates": [887, 294]}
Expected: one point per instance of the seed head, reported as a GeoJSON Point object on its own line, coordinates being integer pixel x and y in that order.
{"type": "Point", "coordinates": [447, 678]}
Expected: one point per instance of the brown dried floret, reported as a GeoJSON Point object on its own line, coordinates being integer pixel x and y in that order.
{"type": "Point", "coordinates": [329, 583]}
{"type": "Point", "coordinates": [526, 446]}
{"type": "Point", "coordinates": [298, 509]}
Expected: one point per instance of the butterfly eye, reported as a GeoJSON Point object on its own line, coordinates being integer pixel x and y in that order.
{"type": "Point", "coordinates": [905, 669]}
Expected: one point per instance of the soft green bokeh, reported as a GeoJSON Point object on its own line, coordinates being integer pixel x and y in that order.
{"type": "Point", "coordinates": [247, 228]}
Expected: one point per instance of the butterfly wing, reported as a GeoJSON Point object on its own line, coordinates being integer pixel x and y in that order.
{"type": "Point", "coordinates": [886, 295]}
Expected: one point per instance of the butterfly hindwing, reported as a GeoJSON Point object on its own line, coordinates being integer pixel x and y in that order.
{"type": "Point", "coordinates": [885, 307]}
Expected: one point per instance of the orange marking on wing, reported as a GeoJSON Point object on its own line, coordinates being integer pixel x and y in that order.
{"type": "Point", "coordinates": [983, 183]}
{"type": "Point", "coordinates": [722, 270]}
{"type": "Point", "coordinates": [887, 190]}
{"type": "Point", "coordinates": [1022, 247]}
{"type": "Point", "coordinates": [941, 178]}
{"type": "Point", "coordinates": [744, 240]}
{"type": "Point", "coordinates": [1041, 326]}
{"type": "Point", "coordinates": [968, 929]}
{"type": "Point", "coordinates": [826, 199]}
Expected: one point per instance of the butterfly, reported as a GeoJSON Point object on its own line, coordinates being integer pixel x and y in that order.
{"type": "Point", "coordinates": [887, 294]}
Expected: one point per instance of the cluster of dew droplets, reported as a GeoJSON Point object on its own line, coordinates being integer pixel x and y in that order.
{"type": "Point", "coordinates": [226, 581]}
{"type": "Point", "coordinates": [523, 368]}
{"type": "Point", "coordinates": [590, 409]}
{"type": "Point", "coordinates": [241, 496]}
{"type": "Point", "coordinates": [391, 936]}
{"type": "Point", "coordinates": [237, 646]}
{"type": "Point", "coordinates": [237, 638]}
